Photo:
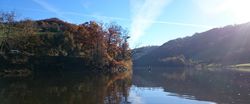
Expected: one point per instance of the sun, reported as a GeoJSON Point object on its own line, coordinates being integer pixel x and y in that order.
{"type": "Point", "coordinates": [239, 9]}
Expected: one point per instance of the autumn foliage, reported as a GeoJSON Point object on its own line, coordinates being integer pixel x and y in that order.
{"type": "Point", "coordinates": [96, 43]}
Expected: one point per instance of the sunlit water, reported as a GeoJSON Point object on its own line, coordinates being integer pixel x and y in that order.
{"type": "Point", "coordinates": [189, 86]}
{"type": "Point", "coordinates": [157, 95]}
{"type": "Point", "coordinates": [157, 86]}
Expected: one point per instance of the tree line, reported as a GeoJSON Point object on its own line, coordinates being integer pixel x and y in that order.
{"type": "Point", "coordinates": [96, 43]}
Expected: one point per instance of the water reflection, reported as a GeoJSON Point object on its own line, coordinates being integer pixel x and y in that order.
{"type": "Point", "coordinates": [157, 86]}
{"type": "Point", "coordinates": [189, 86]}
{"type": "Point", "coordinates": [66, 89]}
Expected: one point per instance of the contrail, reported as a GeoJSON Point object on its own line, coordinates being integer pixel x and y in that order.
{"type": "Point", "coordinates": [50, 8]}
{"type": "Point", "coordinates": [182, 24]}
{"type": "Point", "coordinates": [142, 21]}
{"type": "Point", "coordinates": [95, 16]}
{"type": "Point", "coordinates": [145, 13]}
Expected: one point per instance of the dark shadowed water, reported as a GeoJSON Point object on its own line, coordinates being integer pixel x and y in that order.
{"type": "Point", "coordinates": [155, 86]}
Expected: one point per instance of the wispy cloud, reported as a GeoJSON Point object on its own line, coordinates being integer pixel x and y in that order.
{"type": "Point", "coordinates": [145, 12]}
{"type": "Point", "coordinates": [183, 24]}
{"type": "Point", "coordinates": [49, 7]}
{"type": "Point", "coordinates": [46, 6]}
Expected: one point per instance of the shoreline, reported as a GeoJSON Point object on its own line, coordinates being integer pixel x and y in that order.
{"type": "Point", "coordinates": [57, 64]}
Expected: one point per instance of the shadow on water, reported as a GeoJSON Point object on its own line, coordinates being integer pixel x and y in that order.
{"type": "Point", "coordinates": [66, 88]}
{"type": "Point", "coordinates": [221, 86]}
{"type": "Point", "coordinates": [154, 86]}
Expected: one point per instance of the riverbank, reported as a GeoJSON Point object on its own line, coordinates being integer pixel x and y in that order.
{"type": "Point", "coordinates": [54, 65]}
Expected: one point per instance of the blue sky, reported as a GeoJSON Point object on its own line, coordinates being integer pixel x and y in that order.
{"type": "Point", "coordinates": [150, 22]}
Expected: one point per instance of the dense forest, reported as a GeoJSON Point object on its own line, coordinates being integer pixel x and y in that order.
{"type": "Point", "coordinates": [97, 45]}
{"type": "Point", "coordinates": [227, 45]}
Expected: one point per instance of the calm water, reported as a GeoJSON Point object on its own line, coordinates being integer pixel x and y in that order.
{"type": "Point", "coordinates": [189, 86]}
{"type": "Point", "coordinates": [158, 86]}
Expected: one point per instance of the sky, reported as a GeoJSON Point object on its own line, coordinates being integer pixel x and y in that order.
{"type": "Point", "coordinates": [149, 22]}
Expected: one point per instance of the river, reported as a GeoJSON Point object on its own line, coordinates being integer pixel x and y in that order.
{"type": "Point", "coordinates": [143, 86]}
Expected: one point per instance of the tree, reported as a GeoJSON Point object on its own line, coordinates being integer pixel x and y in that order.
{"type": "Point", "coordinates": [114, 40]}
{"type": "Point", "coordinates": [6, 26]}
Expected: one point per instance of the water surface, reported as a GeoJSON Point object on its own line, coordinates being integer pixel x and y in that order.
{"type": "Point", "coordinates": [156, 86]}
{"type": "Point", "coordinates": [190, 86]}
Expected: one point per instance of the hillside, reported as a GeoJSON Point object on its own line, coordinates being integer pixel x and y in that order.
{"type": "Point", "coordinates": [98, 46]}
{"type": "Point", "coordinates": [227, 45]}
{"type": "Point", "coordinates": [139, 52]}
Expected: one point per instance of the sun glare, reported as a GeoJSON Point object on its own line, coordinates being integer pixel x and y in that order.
{"type": "Point", "coordinates": [239, 9]}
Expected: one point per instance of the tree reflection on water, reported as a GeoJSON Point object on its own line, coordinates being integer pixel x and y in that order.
{"type": "Point", "coordinates": [66, 89]}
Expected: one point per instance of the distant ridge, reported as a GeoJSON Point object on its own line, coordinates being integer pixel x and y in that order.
{"type": "Point", "coordinates": [225, 46]}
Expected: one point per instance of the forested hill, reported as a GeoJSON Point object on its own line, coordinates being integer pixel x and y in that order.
{"type": "Point", "coordinates": [227, 45]}
{"type": "Point", "coordinates": [95, 43]}
{"type": "Point", "coordinates": [139, 52]}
